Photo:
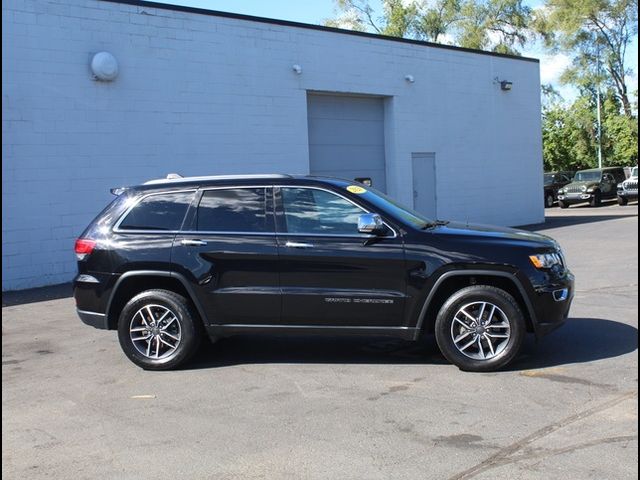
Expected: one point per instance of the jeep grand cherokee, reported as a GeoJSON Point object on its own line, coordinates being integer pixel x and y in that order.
{"type": "Point", "coordinates": [173, 260]}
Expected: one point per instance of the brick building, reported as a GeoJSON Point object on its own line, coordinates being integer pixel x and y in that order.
{"type": "Point", "coordinates": [454, 132]}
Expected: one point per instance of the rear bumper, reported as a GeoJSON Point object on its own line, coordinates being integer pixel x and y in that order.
{"type": "Point", "coordinates": [96, 320]}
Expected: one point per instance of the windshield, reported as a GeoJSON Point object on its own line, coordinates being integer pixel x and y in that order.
{"type": "Point", "coordinates": [588, 176]}
{"type": "Point", "coordinates": [387, 204]}
{"type": "Point", "coordinates": [548, 178]}
{"type": "Point", "coordinates": [634, 172]}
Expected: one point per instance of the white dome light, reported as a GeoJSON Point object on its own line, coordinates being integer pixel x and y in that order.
{"type": "Point", "coordinates": [104, 66]}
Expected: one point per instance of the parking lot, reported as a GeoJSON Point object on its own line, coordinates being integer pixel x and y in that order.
{"type": "Point", "coordinates": [252, 407]}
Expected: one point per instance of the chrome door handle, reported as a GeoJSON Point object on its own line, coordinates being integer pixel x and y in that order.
{"type": "Point", "coordinates": [298, 245]}
{"type": "Point", "coordinates": [193, 242]}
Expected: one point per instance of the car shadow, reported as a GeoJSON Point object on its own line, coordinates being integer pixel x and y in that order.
{"type": "Point", "coordinates": [580, 340]}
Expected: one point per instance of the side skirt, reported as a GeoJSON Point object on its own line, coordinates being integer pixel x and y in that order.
{"type": "Point", "coordinates": [405, 333]}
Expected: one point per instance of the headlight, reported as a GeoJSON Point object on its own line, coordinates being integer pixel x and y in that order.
{"type": "Point", "coordinates": [589, 190]}
{"type": "Point", "coordinates": [583, 188]}
{"type": "Point", "coordinates": [561, 190]}
{"type": "Point", "coordinates": [545, 260]}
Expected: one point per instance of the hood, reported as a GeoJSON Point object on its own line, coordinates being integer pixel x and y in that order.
{"type": "Point", "coordinates": [581, 184]}
{"type": "Point", "coordinates": [492, 233]}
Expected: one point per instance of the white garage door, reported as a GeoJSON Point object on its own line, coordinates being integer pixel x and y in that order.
{"type": "Point", "coordinates": [346, 137]}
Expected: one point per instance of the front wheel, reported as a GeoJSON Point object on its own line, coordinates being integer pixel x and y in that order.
{"type": "Point", "coordinates": [596, 200]}
{"type": "Point", "coordinates": [480, 328]}
{"type": "Point", "coordinates": [563, 205]}
{"type": "Point", "coordinates": [159, 330]}
{"type": "Point", "coordinates": [548, 200]}
{"type": "Point", "coordinates": [622, 201]}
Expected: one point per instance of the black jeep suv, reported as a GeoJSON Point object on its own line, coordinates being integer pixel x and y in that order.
{"type": "Point", "coordinates": [171, 260]}
{"type": "Point", "coordinates": [553, 182]}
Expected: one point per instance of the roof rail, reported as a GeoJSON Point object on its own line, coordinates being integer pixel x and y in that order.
{"type": "Point", "coordinates": [175, 178]}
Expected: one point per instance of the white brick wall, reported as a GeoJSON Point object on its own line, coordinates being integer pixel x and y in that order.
{"type": "Point", "coordinates": [200, 94]}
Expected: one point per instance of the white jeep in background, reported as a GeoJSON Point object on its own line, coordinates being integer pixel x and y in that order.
{"type": "Point", "coordinates": [628, 190]}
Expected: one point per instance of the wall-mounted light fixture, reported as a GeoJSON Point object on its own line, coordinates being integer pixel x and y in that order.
{"type": "Point", "coordinates": [297, 69]}
{"type": "Point", "coordinates": [505, 85]}
{"type": "Point", "coordinates": [104, 67]}
{"type": "Point", "coordinates": [409, 78]}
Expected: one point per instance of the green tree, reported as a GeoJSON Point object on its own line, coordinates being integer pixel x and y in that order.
{"type": "Point", "coordinates": [498, 25]}
{"type": "Point", "coordinates": [569, 133]}
{"type": "Point", "coordinates": [596, 33]}
{"type": "Point", "coordinates": [620, 133]}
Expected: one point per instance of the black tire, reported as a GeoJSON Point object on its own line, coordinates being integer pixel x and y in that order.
{"type": "Point", "coordinates": [622, 201]}
{"type": "Point", "coordinates": [469, 296]}
{"type": "Point", "coordinates": [189, 325]}
{"type": "Point", "coordinates": [548, 200]}
{"type": "Point", "coordinates": [563, 204]}
{"type": "Point", "coordinates": [596, 200]}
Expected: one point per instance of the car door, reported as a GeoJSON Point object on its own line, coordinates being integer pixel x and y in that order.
{"type": "Point", "coordinates": [229, 254]}
{"type": "Point", "coordinates": [330, 274]}
{"type": "Point", "coordinates": [608, 184]}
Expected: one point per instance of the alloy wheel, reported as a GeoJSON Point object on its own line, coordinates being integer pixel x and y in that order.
{"type": "Point", "coordinates": [155, 331]}
{"type": "Point", "coordinates": [480, 330]}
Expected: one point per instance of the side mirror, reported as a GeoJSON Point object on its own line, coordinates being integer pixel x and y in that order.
{"type": "Point", "coordinates": [370, 223]}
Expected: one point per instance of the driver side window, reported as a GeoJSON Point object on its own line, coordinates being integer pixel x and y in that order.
{"type": "Point", "coordinates": [317, 212]}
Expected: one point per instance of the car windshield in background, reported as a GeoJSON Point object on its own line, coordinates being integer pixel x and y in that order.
{"type": "Point", "coordinates": [548, 178]}
{"type": "Point", "coordinates": [381, 201]}
{"type": "Point", "coordinates": [587, 177]}
{"type": "Point", "coordinates": [634, 172]}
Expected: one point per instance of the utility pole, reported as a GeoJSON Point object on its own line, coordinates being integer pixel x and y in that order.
{"type": "Point", "coordinates": [598, 106]}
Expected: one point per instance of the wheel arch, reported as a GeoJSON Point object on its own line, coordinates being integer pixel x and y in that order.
{"type": "Point", "coordinates": [131, 283]}
{"type": "Point", "coordinates": [452, 281]}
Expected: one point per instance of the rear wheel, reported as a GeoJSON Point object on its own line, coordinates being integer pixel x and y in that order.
{"type": "Point", "coordinates": [159, 330]}
{"type": "Point", "coordinates": [596, 200]}
{"type": "Point", "coordinates": [622, 201]}
{"type": "Point", "coordinates": [480, 328]}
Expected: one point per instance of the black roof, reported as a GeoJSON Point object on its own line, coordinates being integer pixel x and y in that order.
{"type": "Point", "coordinates": [308, 26]}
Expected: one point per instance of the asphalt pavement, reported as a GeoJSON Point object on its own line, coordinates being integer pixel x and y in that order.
{"type": "Point", "coordinates": [336, 408]}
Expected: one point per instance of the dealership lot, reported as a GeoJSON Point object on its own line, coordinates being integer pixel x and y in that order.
{"type": "Point", "coordinates": [252, 407]}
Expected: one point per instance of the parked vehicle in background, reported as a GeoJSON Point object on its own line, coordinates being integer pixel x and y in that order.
{"type": "Point", "coordinates": [628, 190]}
{"type": "Point", "coordinates": [554, 181]}
{"type": "Point", "coordinates": [591, 186]}
{"type": "Point", "coordinates": [175, 259]}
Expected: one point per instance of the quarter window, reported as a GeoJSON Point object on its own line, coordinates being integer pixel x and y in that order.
{"type": "Point", "coordinates": [310, 211]}
{"type": "Point", "coordinates": [234, 210]}
{"type": "Point", "coordinates": [164, 211]}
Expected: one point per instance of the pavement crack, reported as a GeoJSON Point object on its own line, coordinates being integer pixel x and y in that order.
{"type": "Point", "coordinates": [534, 455]}
{"type": "Point", "coordinates": [505, 455]}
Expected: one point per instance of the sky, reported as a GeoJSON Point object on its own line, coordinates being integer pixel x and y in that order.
{"type": "Point", "coordinates": [316, 11]}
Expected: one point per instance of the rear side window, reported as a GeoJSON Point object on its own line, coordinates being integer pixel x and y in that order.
{"type": "Point", "coordinates": [235, 210]}
{"type": "Point", "coordinates": [163, 211]}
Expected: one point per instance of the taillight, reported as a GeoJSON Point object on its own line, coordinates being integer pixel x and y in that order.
{"type": "Point", "coordinates": [84, 247]}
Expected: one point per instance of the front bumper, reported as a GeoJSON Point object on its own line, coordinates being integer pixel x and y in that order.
{"type": "Point", "coordinates": [628, 194]}
{"type": "Point", "coordinates": [552, 304]}
{"type": "Point", "coordinates": [575, 197]}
